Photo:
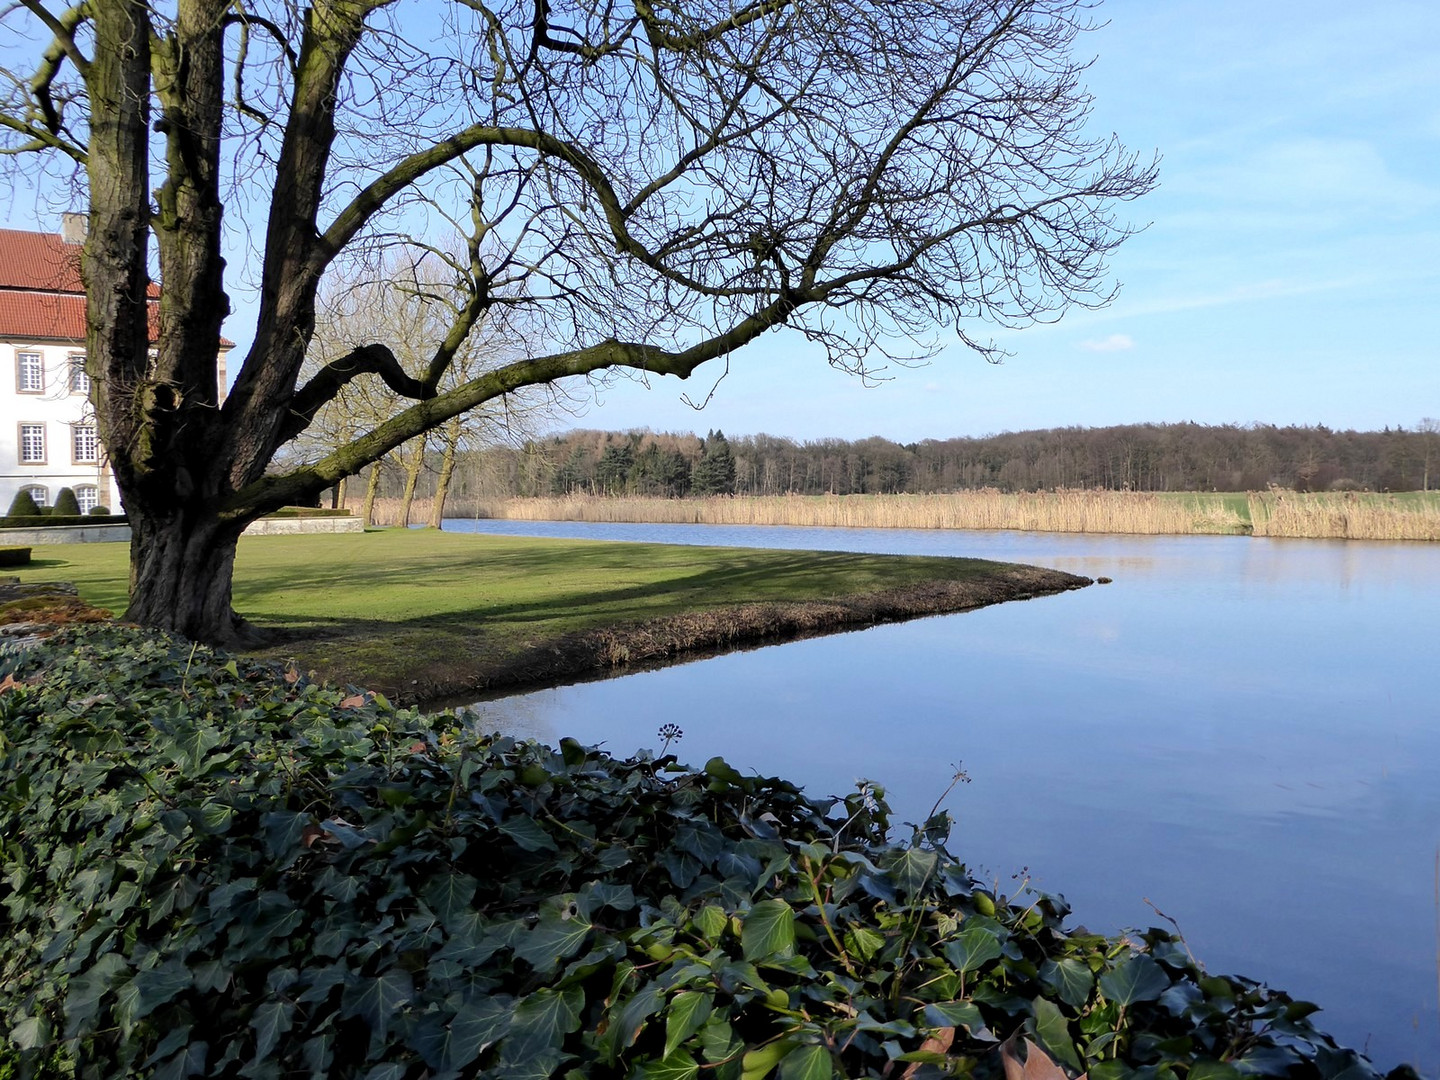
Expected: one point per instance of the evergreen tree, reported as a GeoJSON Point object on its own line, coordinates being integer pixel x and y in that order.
{"type": "Point", "coordinates": [714, 473]}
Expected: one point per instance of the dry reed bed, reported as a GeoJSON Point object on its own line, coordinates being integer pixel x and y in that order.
{"type": "Point", "coordinates": [1349, 516]}
{"type": "Point", "coordinates": [1064, 511]}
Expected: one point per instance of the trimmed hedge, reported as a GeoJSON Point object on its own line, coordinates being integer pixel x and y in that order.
{"type": "Point", "coordinates": [14, 556]}
{"type": "Point", "coordinates": [213, 868]}
{"type": "Point", "coordinates": [307, 512]}
{"type": "Point", "coordinates": [44, 521]}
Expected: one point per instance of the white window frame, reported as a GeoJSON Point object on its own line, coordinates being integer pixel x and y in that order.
{"type": "Point", "coordinates": [23, 370]}
{"type": "Point", "coordinates": [25, 458]}
{"type": "Point", "coordinates": [78, 379]}
{"type": "Point", "coordinates": [39, 492]}
{"type": "Point", "coordinates": [92, 437]}
{"type": "Point", "coordinates": [88, 496]}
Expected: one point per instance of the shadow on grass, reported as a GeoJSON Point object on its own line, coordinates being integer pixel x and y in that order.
{"type": "Point", "coordinates": [740, 579]}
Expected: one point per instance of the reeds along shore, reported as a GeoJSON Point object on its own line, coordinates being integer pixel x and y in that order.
{"type": "Point", "coordinates": [1349, 515]}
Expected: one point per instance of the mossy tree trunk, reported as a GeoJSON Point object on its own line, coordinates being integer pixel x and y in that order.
{"type": "Point", "coordinates": [450, 447]}
{"type": "Point", "coordinates": [414, 466]}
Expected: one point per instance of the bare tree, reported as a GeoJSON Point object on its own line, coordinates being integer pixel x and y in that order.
{"type": "Point", "coordinates": [657, 184]}
{"type": "Point", "coordinates": [412, 299]}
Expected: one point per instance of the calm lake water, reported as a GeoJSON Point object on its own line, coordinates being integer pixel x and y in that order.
{"type": "Point", "coordinates": [1244, 733]}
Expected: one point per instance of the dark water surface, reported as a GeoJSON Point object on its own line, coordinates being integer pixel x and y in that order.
{"type": "Point", "coordinates": [1246, 732]}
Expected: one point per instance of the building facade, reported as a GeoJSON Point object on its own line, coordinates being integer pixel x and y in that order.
{"type": "Point", "coordinates": [48, 437]}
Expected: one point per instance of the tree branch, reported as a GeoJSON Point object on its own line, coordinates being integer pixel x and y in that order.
{"type": "Point", "coordinates": [332, 378]}
{"type": "Point", "coordinates": [64, 30]}
{"type": "Point", "coordinates": [271, 492]}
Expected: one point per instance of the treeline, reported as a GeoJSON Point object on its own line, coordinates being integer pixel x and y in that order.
{"type": "Point", "coordinates": [1136, 457]}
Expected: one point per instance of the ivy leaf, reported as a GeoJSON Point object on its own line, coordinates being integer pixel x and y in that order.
{"type": "Point", "coordinates": [864, 942]}
{"type": "Point", "coordinates": [757, 1064]}
{"type": "Point", "coordinates": [687, 1013]}
{"type": "Point", "coordinates": [538, 1066]}
{"type": "Point", "coordinates": [192, 746]}
{"type": "Point", "coordinates": [31, 1033]}
{"type": "Point", "coordinates": [718, 1040]}
{"type": "Point", "coordinates": [677, 1066]}
{"type": "Point", "coordinates": [283, 830]}
{"type": "Point", "coordinates": [82, 1003]}
{"type": "Point", "coordinates": [711, 921]}
{"type": "Point", "coordinates": [476, 1025]}
{"type": "Point", "coordinates": [160, 985]}
{"type": "Point", "coordinates": [376, 1000]}
{"type": "Point", "coordinates": [450, 896]}
{"type": "Point", "coordinates": [954, 1014]}
{"type": "Point", "coordinates": [541, 1021]}
{"type": "Point", "coordinates": [913, 869]}
{"type": "Point", "coordinates": [1069, 978]}
{"type": "Point", "coordinates": [1137, 979]}
{"type": "Point", "coordinates": [809, 1062]}
{"type": "Point", "coordinates": [526, 832]}
{"type": "Point", "coordinates": [633, 1016]}
{"type": "Point", "coordinates": [1054, 1033]}
{"type": "Point", "coordinates": [271, 1020]}
{"type": "Point", "coordinates": [768, 931]}
{"type": "Point", "coordinates": [554, 939]}
{"type": "Point", "coordinates": [973, 949]}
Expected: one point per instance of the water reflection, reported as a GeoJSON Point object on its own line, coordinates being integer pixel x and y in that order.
{"type": "Point", "coordinates": [1240, 731]}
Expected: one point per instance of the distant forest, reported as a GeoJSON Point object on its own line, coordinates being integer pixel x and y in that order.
{"type": "Point", "coordinates": [1137, 457]}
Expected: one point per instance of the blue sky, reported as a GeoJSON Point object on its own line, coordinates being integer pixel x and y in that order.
{"type": "Point", "coordinates": [1288, 273]}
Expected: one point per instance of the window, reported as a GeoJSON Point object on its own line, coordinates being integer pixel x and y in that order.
{"type": "Point", "coordinates": [79, 381]}
{"type": "Point", "coordinates": [86, 447]}
{"type": "Point", "coordinates": [88, 496]}
{"type": "Point", "coordinates": [41, 495]}
{"type": "Point", "coordinates": [30, 373]}
{"type": "Point", "coordinates": [32, 444]}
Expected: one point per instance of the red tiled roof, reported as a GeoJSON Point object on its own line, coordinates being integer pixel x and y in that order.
{"type": "Point", "coordinates": [31, 260]}
{"type": "Point", "coordinates": [37, 316]}
{"type": "Point", "coordinates": [41, 294]}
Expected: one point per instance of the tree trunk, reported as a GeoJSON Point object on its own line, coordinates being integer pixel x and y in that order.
{"type": "Point", "coordinates": [367, 511]}
{"type": "Point", "coordinates": [412, 478]}
{"type": "Point", "coordinates": [447, 470]}
{"type": "Point", "coordinates": [180, 576]}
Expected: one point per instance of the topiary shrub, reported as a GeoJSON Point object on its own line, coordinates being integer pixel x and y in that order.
{"type": "Point", "coordinates": [66, 505]}
{"type": "Point", "coordinates": [213, 868]}
{"type": "Point", "coordinates": [14, 556]}
{"type": "Point", "coordinates": [23, 505]}
{"type": "Point", "coordinates": [99, 511]}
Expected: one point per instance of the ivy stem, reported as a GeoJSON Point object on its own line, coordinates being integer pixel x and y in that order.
{"type": "Point", "coordinates": [814, 881]}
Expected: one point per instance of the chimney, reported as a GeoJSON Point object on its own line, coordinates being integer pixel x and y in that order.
{"type": "Point", "coordinates": [73, 228]}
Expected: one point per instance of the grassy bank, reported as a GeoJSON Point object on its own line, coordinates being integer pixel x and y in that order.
{"type": "Point", "coordinates": [424, 614]}
{"type": "Point", "coordinates": [1348, 515]}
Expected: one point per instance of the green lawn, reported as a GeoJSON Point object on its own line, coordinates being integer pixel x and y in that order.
{"type": "Point", "coordinates": [377, 608]}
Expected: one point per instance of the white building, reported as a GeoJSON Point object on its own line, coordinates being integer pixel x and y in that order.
{"type": "Point", "coordinates": [47, 427]}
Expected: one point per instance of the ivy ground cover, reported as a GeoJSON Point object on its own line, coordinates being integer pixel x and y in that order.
{"type": "Point", "coordinates": [213, 867]}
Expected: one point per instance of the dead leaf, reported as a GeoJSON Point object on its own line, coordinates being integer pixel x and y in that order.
{"type": "Point", "coordinates": [292, 675]}
{"type": "Point", "coordinates": [355, 701]}
{"type": "Point", "coordinates": [938, 1043]}
{"type": "Point", "coordinates": [10, 683]}
{"type": "Point", "coordinates": [418, 748]}
{"type": "Point", "coordinates": [310, 834]}
{"type": "Point", "coordinates": [1037, 1065]}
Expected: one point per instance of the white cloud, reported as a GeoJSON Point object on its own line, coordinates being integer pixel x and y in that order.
{"type": "Point", "coordinates": [1113, 343]}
